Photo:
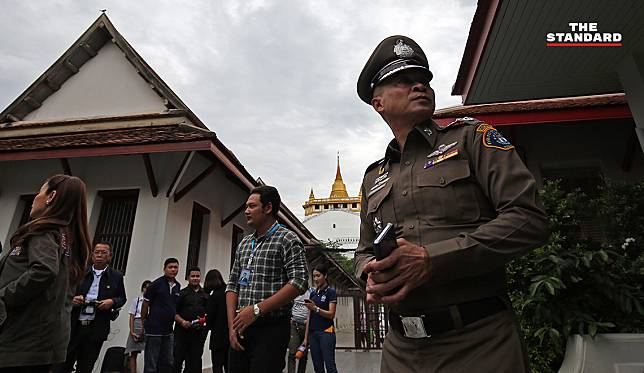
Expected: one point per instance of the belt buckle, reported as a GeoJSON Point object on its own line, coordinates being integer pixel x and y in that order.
{"type": "Point", "coordinates": [414, 327]}
{"type": "Point", "coordinates": [86, 322]}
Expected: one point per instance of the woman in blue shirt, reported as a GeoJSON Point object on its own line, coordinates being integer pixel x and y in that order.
{"type": "Point", "coordinates": [321, 332]}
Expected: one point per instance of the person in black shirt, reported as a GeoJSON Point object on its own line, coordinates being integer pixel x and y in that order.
{"type": "Point", "coordinates": [217, 320]}
{"type": "Point", "coordinates": [157, 315]}
{"type": "Point", "coordinates": [189, 331]}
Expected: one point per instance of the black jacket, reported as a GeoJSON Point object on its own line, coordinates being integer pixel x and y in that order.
{"type": "Point", "coordinates": [110, 287]}
{"type": "Point", "coordinates": [35, 302]}
{"type": "Point", "coordinates": [217, 320]}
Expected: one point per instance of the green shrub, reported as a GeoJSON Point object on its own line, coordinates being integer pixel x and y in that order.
{"type": "Point", "coordinates": [575, 284]}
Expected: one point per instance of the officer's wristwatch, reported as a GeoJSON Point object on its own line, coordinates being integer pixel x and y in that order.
{"type": "Point", "coordinates": [256, 310]}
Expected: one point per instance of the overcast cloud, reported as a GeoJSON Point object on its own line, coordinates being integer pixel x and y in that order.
{"type": "Point", "coordinates": [274, 79]}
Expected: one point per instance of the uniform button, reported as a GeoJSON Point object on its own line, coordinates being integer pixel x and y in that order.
{"type": "Point", "coordinates": [404, 193]}
{"type": "Point", "coordinates": [441, 180]}
{"type": "Point", "coordinates": [411, 226]}
{"type": "Point", "coordinates": [407, 163]}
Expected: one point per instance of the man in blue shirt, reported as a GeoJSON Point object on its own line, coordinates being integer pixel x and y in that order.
{"type": "Point", "coordinates": [157, 314]}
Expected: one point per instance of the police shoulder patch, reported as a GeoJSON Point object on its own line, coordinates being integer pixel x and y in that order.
{"type": "Point", "coordinates": [493, 138]}
{"type": "Point", "coordinates": [375, 164]}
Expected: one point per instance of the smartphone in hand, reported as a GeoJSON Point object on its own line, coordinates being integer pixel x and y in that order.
{"type": "Point", "coordinates": [385, 243]}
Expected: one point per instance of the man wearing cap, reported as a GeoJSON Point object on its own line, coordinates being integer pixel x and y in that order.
{"type": "Point", "coordinates": [463, 204]}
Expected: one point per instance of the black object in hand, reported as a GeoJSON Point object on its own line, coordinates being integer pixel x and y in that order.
{"type": "Point", "coordinates": [385, 243]}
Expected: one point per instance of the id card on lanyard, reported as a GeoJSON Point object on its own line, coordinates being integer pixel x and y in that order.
{"type": "Point", "coordinates": [245, 275]}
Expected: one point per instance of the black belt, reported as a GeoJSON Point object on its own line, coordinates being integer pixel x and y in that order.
{"type": "Point", "coordinates": [270, 319]}
{"type": "Point", "coordinates": [441, 320]}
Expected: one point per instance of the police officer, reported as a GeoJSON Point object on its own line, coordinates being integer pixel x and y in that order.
{"type": "Point", "coordinates": [463, 204]}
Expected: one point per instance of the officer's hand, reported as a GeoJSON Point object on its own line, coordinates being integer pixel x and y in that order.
{"type": "Point", "coordinates": [186, 324]}
{"type": "Point", "coordinates": [372, 298]}
{"type": "Point", "coordinates": [244, 319]}
{"type": "Point", "coordinates": [106, 304]}
{"type": "Point", "coordinates": [78, 300]}
{"type": "Point", "coordinates": [405, 269]}
{"type": "Point", "coordinates": [234, 342]}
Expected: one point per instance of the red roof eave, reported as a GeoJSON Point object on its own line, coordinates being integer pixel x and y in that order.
{"type": "Point", "coordinates": [550, 116]}
{"type": "Point", "coordinates": [105, 150]}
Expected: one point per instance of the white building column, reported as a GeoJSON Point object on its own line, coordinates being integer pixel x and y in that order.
{"type": "Point", "coordinates": [631, 75]}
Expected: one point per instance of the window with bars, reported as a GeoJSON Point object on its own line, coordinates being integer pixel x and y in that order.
{"type": "Point", "coordinates": [116, 222]}
{"type": "Point", "coordinates": [199, 216]}
{"type": "Point", "coordinates": [238, 235]}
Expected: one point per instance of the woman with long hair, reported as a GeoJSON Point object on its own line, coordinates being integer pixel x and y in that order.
{"type": "Point", "coordinates": [217, 320]}
{"type": "Point", "coordinates": [38, 275]}
{"type": "Point", "coordinates": [321, 332]}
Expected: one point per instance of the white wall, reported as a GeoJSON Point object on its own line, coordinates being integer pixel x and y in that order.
{"type": "Point", "coordinates": [14, 182]}
{"type": "Point", "coordinates": [339, 226]}
{"type": "Point", "coordinates": [107, 84]}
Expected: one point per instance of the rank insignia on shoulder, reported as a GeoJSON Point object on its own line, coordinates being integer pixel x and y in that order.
{"type": "Point", "coordinates": [464, 120]}
{"type": "Point", "coordinates": [433, 162]}
{"type": "Point", "coordinates": [493, 139]}
{"type": "Point", "coordinates": [380, 162]}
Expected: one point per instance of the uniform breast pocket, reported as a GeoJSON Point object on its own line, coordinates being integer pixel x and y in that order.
{"type": "Point", "coordinates": [448, 193]}
{"type": "Point", "coordinates": [376, 212]}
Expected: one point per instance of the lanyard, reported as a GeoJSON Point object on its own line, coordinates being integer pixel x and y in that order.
{"type": "Point", "coordinates": [253, 248]}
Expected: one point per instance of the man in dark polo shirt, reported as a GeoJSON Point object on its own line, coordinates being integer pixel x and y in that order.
{"type": "Point", "coordinates": [157, 314]}
{"type": "Point", "coordinates": [189, 336]}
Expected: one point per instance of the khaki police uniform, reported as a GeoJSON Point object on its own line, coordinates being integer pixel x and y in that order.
{"type": "Point", "coordinates": [462, 193]}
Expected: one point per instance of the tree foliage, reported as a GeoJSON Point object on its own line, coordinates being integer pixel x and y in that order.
{"type": "Point", "coordinates": [575, 284]}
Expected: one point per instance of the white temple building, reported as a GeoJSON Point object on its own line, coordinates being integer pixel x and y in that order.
{"type": "Point", "coordinates": [335, 220]}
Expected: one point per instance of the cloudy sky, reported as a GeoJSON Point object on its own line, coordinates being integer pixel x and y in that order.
{"type": "Point", "coordinates": [274, 79]}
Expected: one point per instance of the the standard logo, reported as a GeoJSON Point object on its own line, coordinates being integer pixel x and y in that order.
{"type": "Point", "coordinates": [583, 34]}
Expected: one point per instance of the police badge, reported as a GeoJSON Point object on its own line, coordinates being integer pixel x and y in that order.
{"type": "Point", "coordinates": [377, 225]}
{"type": "Point", "coordinates": [403, 50]}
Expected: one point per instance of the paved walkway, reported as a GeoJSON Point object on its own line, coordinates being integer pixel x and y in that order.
{"type": "Point", "coordinates": [353, 361]}
{"type": "Point", "coordinates": [348, 360]}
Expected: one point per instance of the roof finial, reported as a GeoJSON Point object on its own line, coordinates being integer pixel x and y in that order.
{"type": "Point", "coordinates": [338, 190]}
{"type": "Point", "coordinates": [338, 176]}
{"type": "Point", "coordinates": [103, 10]}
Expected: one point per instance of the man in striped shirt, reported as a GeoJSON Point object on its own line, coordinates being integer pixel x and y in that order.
{"type": "Point", "coordinates": [269, 271]}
